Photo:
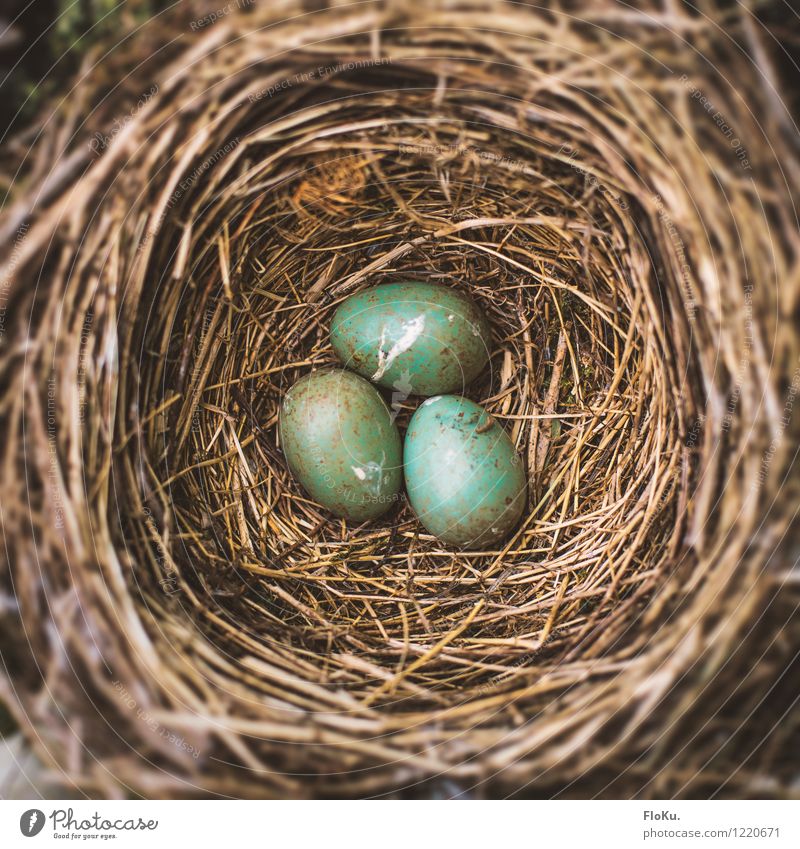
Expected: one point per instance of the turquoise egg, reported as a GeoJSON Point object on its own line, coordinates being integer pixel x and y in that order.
{"type": "Point", "coordinates": [464, 479]}
{"type": "Point", "coordinates": [415, 338]}
{"type": "Point", "coordinates": [342, 444]}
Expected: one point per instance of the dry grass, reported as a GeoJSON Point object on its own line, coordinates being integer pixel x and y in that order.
{"type": "Point", "coordinates": [632, 271]}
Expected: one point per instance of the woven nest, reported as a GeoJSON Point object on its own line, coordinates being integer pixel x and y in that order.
{"type": "Point", "coordinates": [183, 620]}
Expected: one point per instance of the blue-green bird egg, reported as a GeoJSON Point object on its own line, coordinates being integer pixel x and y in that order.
{"type": "Point", "coordinates": [464, 479]}
{"type": "Point", "coordinates": [342, 444]}
{"type": "Point", "coordinates": [414, 338]}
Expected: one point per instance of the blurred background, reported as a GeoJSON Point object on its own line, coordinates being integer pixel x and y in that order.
{"type": "Point", "coordinates": [44, 42]}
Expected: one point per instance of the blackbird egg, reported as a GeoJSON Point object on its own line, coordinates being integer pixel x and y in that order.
{"type": "Point", "coordinates": [341, 443]}
{"type": "Point", "coordinates": [414, 338]}
{"type": "Point", "coordinates": [464, 479]}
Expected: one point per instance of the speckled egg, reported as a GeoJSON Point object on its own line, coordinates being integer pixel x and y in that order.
{"type": "Point", "coordinates": [341, 443]}
{"type": "Point", "coordinates": [415, 338]}
{"type": "Point", "coordinates": [464, 479]}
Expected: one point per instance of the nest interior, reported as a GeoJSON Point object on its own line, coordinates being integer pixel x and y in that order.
{"type": "Point", "coordinates": [197, 625]}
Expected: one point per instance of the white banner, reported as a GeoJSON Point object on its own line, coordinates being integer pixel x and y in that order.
{"type": "Point", "coordinates": [393, 825]}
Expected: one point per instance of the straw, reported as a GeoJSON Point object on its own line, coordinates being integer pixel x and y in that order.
{"type": "Point", "coordinates": [190, 623]}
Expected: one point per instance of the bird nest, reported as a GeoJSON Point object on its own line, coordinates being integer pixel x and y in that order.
{"type": "Point", "coordinates": [187, 621]}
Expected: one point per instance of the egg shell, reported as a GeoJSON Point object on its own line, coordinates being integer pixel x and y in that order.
{"type": "Point", "coordinates": [341, 443]}
{"type": "Point", "coordinates": [414, 338]}
{"type": "Point", "coordinates": [464, 479]}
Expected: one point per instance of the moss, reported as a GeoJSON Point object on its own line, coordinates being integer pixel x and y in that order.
{"type": "Point", "coordinates": [66, 32]}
